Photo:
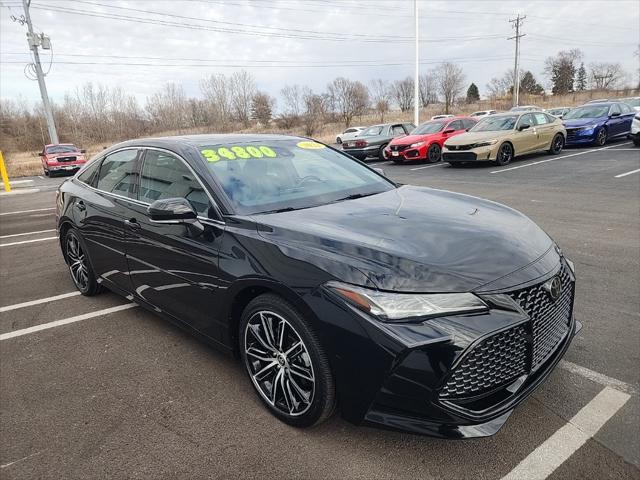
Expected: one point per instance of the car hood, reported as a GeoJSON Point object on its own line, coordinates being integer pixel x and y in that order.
{"type": "Point", "coordinates": [409, 139]}
{"type": "Point", "coordinates": [413, 239]}
{"type": "Point", "coordinates": [582, 122]}
{"type": "Point", "coordinates": [469, 138]}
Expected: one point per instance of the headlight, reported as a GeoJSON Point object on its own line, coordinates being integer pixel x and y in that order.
{"type": "Point", "coordinates": [488, 143]}
{"type": "Point", "coordinates": [589, 127]}
{"type": "Point", "coordinates": [417, 144]}
{"type": "Point", "coordinates": [402, 307]}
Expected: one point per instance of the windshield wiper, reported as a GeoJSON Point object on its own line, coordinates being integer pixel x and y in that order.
{"type": "Point", "coordinates": [279, 210]}
{"type": "Point", "coordinates": [354, 196]}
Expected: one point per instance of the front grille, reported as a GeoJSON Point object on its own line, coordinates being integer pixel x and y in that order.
{"type": "Point", "coordinates": [459, 157]}
{"type": "Point", "coordinates": [66, 159]}
{"type": "Point", "coordinates": [460, 147]}
{"type": "Point", "coordinates": [398, 148]}
{"type": "Point", "coordinates": [571, 133]}
{"type": "Point", "coordinates": [502, 358]}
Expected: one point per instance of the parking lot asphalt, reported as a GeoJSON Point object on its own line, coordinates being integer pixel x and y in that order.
{"type": "Point", "coordinates": [108, 393]}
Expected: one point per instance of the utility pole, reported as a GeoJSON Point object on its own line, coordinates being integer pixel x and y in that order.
{"type": "Point", "coordinates": [34, 42]}
{"type": "Point", "coordinates": [416, 81]}
{"type": "Point", "coordinates": [517, 23]}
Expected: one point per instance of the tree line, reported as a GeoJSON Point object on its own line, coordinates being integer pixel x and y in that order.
{"type": "Point", "coordinates": [93, 114]}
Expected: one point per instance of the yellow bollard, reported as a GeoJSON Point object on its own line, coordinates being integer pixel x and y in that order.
{"type": "Point", "coordinates": [3, 172]}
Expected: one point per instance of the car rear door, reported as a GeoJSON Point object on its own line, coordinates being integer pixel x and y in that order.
{"type": "Point", "coordinates": [545, 129]}
{"type": "Point", "coordinates": [526, 140]}
{"type": "Point", "coordinates": [173, 266]}
{"type": "Point", "coordinates": [627, 117]}
{"type": "Point", "coordinates": [103, 212]}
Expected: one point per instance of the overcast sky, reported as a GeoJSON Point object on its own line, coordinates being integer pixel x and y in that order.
{"type": "Point", "coordinates": [308, 42]}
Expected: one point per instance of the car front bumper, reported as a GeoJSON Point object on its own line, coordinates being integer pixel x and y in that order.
{"type": "Point", "coordinates": [64, 167]}
{"type": "Point", "coordinates": [405, 153]}
{"type": "Point", "coordinates": [581, 136]}
{"type": "Point", "coordinates": [479, 154]}
{"type": "Point", "coordinates": [452, 377]}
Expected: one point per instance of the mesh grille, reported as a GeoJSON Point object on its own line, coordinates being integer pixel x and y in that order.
{"type": "Point", "coordinates": [493, 362]}
{"type": "Point", "coordinates": [502, 358]}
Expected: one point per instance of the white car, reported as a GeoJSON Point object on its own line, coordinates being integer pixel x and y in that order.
{"type": "Point", "coordinates": [526, 108]}
{"type": "Point", "coordinates": [635, 130]}
{"type": "Point", "coordinates": [349, 134]}
{"type": "Point", "coordinates": [483, 113]}
{"type": "Point", "coordinates": [438, 117]}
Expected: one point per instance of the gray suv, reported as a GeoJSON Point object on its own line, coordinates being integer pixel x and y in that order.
{"type": "Point", "coordinates": [371, 142]}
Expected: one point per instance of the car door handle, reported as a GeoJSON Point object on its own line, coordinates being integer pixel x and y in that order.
{"type": "Point", "coordinates": [132, 224]}
{"type": "Point", "coordinates": [80, 205]}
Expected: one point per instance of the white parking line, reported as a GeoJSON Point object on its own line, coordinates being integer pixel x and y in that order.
{"type": "Point", "coordinates": [27, 233]}
{"type": "Point", "coordinates": [27, 241]}
{"type": "Point", "coordinates": [558, 158]}
{"type": "Point", "coordinates": [545, 459]}
{"type": "Point", "coordinates": [427, 166]}
{"type": "Point", "coordinates": [27, 211]}
{"type": "Point", "coordinates": [19, 182]}
{"type": "Point", "coordinates": [38, 302]}
{"type": "Point", "coordinates": [65, 321]}
{"type": "Point", "coordinates": [628, 173]}
{"type": "Point", "coordinates": [597, 377]}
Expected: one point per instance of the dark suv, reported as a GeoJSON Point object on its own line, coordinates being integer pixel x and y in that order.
{"type": "Point", "coordinates": [372, 141]}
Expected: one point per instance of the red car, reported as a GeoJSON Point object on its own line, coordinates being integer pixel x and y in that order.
{"type": "Point", "coordinates": [425, 142]}
{"type": "Point", "coordinates": [62, 158]}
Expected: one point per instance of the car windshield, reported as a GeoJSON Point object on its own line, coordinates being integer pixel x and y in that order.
{"type": "Point", "coordinates": [269, 176]}
{"type": "Point", "coordinates": [427, 128]}
{"type": "Point", "coordinates": [588, 111]}
{"type": "Point", "coordinates": [62, 149]}
{"type": "Point", "coordinates": [372, 131]}
{"type": "Point", "coordinates": [521, 109]}
{"type": "Point", "coordinates": [492, 124]}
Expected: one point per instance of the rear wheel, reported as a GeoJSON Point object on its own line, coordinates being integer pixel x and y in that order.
{"type": "Point", "coordinates": [381, 155]}
{"type": "Point", "coordinates": [601, 137]}
{"type": "Point", "coordinates": [433, 154]}
{"type": "Point", "coordinates": [285, 362]}
{"type": "Point", "coordinates": [505, 154]}
{"type": "Point", "coordinates": [46, 172]}
{"type": "Point", "coordinates": [556, 144]}
{"type": "Point", "coordinates": [636, 139]}
{"type": "Point", "coordinates": [338, 140]}
{"type": "Point", "coordinates": [79, 265]}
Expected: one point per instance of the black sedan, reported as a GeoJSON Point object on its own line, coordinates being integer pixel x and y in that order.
{"type": "Point", "coordinates": [407, 307]}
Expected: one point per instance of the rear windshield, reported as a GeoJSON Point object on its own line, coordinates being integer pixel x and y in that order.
{"type": "Point", "coordinates": [588, 111]}
{"type": "Point", "coordinates": [62, 149]}
{"type": "Point", "coordinates": [263, 177]}
{"type": "Point", "coordinates": [491, 124]}
{"type": "Point", "coordinates": [429, 127]}
{"type": "Point", "coordinates": [372, 131]}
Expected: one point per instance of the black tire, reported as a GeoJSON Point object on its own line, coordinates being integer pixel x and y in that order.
{"type": "Point", "coordinates": [455, 164]}
{"type": "Point", "coordinates": [339, 141]}
{"type": "Point", "coordinates": [79, 264]}
{"type": "Point", "coordinates": [636, 139]}
{"type": "Point", "coordinates": [46, 172]}
{"type": "Point", "coordinates": [381, 156]}
{"type": "Point", "coordinates": [434, 153]}
{"type": "Point", "coordinates": [556, 144]}
{"type": "Point", "coordinates": [505, 154]}
{"type": "Point", "coordinates": [270, 310]}
{"type": "Point", "coordinates": [601, 137]}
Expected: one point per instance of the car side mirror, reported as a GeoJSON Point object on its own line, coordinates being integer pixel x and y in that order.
{"type": "Point", "coordinates": [615, 114]}
{"type": "Point", "coordinates": [172, 210]}
{"type": "Point", "coordinates": [524, 126]}
{"type": "Point", "coordinates": [448, 130]}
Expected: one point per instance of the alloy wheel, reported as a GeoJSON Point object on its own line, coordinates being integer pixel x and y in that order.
{"type": "Point", "coordinates": [601, 139]}
{"type": "Point", "coordinates": [434, 153]}
{"type": "Point", "coordinates": [77, 262]}
{"type": "Point", "coordinates": [558, 143]}
{"type": "Point", "coordinates": [279, 363]}
{"type": "Point", "coordinates": [505, 154]}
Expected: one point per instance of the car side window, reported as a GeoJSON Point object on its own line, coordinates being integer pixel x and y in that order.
{"type": "Point", "coordinates": [409, 127]}
{"type": "Point", "coordinates": [117, 173]}
{"type": "Point", "coordinates": [349, 130]}
{"type": "Point", "coordinates": [614, 109]}
{"type": "Point", "coordinates": [526, 120]}
{"type": "Point", "coordinates": [397, 130]}
{"type": "Point", "coordinates": [624, 108]}
{"type": "Point", "coordinates": [456, 125]}
{"type": "Point", "coordinates": [468, 124]}
{"type": "Point", "coordinates": [541, 118]}
{"type": "Point", "coordinates": [88, 173]}
{"type": "Point", "coordinates": [164, 175]}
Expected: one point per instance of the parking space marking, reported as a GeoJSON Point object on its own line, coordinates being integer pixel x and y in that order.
{"type": "Point", "coordinates": [558, 158]}
{"type": "Point", "coordinates": [27, 241]}
{"type": "Point", "coordinates": [27, 211]}
{"type": "Point", "coordinates": [427, 166]}
{"type": "Point", "coordinates": [65, 321]}
{"type": "Point", "coordinates": [19, 182]}
{"type": "Point", "coordinates": [547, 457]}
{"type": "Point", "coordinates": [27, 233]}
{"type": "Point", "coordinates": [597, 377]}
{"type": "Point", "coordinates": [38, 302]}
{"type": "Point", "coordinates": [627, 173]}
{"type": "Point", "coordinates": [19, 191]}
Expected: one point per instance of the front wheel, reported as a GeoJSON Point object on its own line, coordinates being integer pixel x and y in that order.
{"type": "Point", "coordinates": [79, 265]}
{"type": "Point", "coordinates": [46, 172]}
{"type": "Point", "coordinates": [601, 137]}
{"type": "Point", "coordinates": [433, 154]}
{"type": "Point", "coordinates": [285, 362]}
{"type": "Point", "coordinates": [339, 141]}
{"type": "Point", "coordinates": [556, 144]}
{"type": "Point", "coordinates": [505, 154]}
{"type": "Point", "coordinates": [636, 139]}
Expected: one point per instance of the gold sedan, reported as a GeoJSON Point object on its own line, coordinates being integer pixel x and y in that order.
{"type": "Point", "coordinates": [502, 137]}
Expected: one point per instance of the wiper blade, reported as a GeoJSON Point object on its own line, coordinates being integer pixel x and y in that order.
{"type": "Point", "coordinates": [279, 210]}
{"type": "Point", "coordinates": [354, 196]}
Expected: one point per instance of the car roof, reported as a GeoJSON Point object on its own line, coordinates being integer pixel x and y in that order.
{"type": "Point", "coordinates": [59, 144]}
{"type": "Point", "coordinates": [600, 104]}
{"type": "Point", "coordinates": [205, 139]}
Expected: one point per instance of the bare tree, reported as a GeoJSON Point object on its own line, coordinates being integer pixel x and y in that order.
{"type": "Point", "coordinates": [605, 75]}
{"type": "Point", "coordinates": [349, 98]}
{"type": "Point", "coordinates": [315, 110]}
{"type": "Point", "coordinates": [217, 93]}
{"type": "Point", "coordinates": [293, 104]}
{"type": "Point", "coordinates": [428, 89]}
{"type": "Point", "coordinates": [450, 81]}
{"type": "Point", "coordinates": [381, 95]}
{"type": "Point", "coordinates": [403, 93]}
{"type": "Point", "coordinates": [243, 88]}
{"type": "Point", "coordinates": [168, 108]}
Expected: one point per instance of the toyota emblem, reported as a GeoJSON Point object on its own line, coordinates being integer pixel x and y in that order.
{"type": "Point", "coordinates": [554, 288]}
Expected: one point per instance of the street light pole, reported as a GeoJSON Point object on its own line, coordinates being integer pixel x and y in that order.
{"type": "Point", "coordinates": [34, 41]}
{"type": "Point", "coordinates": [416, 81]}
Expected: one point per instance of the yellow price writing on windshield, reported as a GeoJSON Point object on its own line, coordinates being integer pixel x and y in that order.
{"type": "Point", "coordinates": [237, 151]}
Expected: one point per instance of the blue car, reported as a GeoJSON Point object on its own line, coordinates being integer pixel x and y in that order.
{"type": "Point", "coordinates": [595, 123]}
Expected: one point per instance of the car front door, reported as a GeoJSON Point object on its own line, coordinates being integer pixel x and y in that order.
{"type": "Point", "coordinates": [174, 266]}
{"type": "Point", "coordinates": [103, 211]}
{"type": "Point", "coordinates": [616, 121]}
{"type": "Point", "coordinates": [525, 140]}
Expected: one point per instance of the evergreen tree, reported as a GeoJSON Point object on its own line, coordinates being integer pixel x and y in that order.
{"type": "Point", "coordinates": [528, 84]}
{"type": "Point", "coordinates": [581, 79]}
{"type": "Point", "coordinates": [473, 95]}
